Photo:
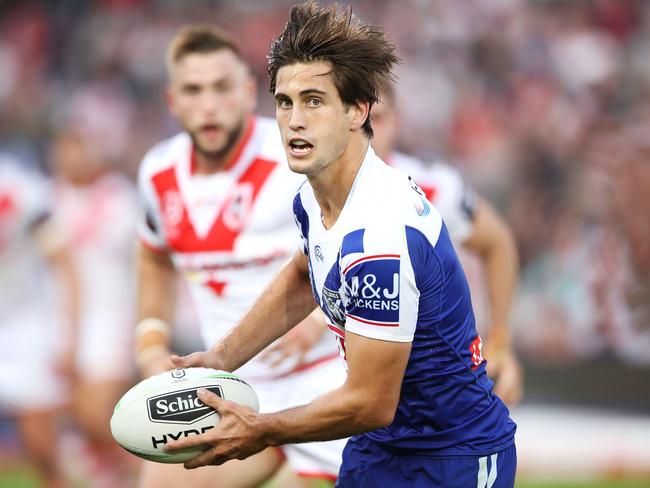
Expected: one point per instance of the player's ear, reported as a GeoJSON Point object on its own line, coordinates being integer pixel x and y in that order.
{"type": "Point", "coordinates": [359, 112]}
{"type": "Point", "coordinates": [171, 100]}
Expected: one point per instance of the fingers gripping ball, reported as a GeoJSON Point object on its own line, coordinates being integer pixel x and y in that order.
{"type": "Point", "coordinates": [166, 407]}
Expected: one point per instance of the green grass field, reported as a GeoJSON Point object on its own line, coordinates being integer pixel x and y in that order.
{"type": "Point", "coordinates": [23, 479]}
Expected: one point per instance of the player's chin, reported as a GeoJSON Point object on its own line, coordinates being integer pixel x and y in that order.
{"type": "Point", "coordinates": [299, 166]}
{"type": "Point", "coordinates": [211, 148]}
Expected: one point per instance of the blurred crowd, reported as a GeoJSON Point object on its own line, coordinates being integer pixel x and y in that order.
{"type": "Point", "coordinates": [544, 105]}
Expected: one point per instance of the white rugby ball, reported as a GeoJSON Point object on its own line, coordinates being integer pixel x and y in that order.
{"type": "Point", "coordinates": [166, 407]}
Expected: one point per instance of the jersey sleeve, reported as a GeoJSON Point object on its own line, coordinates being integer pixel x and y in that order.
{"type": "Point", "coordinates": [456, 201]}
{"type": "Point", "coordinates": [150, 228]}
{"type": "Point", "coordinates": [302, 222]}
{"type": "Point", "coordinates": [379, 292]}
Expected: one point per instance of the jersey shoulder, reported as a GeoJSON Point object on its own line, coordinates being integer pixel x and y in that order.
{"type": "Point", "coordinates": [389, 200]}
{"type": "Point", "coordinates": [437, 173]}
{"type": "Point", "coordinates": [165, 154]}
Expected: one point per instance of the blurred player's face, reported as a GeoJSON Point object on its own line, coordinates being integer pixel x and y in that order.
{"type": "Point", "coordinates": [72, 159]}
{"type": "Point", "coordinates": [385, 124]}
{"type": "Point", "coordinates": [211, 94]}
{"type": "Point", "coordinates": [315, 124]}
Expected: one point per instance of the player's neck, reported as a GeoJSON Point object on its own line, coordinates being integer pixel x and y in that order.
{"type": "Point", "coordinates": [332, 186]}
{"type": "Point", "coordinates": [204, 164]}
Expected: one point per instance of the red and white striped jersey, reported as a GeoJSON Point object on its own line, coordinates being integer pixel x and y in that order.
{"type": "Point", "coordinates": [229, 232]}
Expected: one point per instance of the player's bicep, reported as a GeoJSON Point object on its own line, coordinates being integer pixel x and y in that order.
{"type": "Point", "coordinates": [301, 261]}
{"type": "Point", "coordinates": [489, 229]}
{"type": "Point", "coordinates": [376, 370]}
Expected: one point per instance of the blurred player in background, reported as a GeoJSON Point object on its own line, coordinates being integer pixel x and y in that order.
{"type": "Point", "coordinates": [217, 201]}
{"type": "Point", "coordinates": [34, 347]}
{"type": "Point", "coordinates": [475, 225]}
{"type": "Point", "coordinates": [97, 209]}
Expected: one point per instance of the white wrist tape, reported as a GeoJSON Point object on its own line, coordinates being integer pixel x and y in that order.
{"type": "Point", "coordinates": [152, 324]}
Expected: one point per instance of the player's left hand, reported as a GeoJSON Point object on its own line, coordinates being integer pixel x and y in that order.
{"type": "Point", "coordinates": [234, 436]}
{"type": "Point", "coordinates": [506, 371]}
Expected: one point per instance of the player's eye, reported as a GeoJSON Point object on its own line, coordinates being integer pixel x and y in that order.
{"type": "Point", "coordinates": [283, 103]}
{"type": "Point", "coordinates": [191, 89]}
{"type": "Point", "coordinates": [314, 102]}
{"type": "Point", "coordinates": [224, 87]}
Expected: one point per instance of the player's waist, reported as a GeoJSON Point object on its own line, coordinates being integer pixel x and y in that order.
{"type": "Point", "coordinates": [480, 435]}
{"type": "Point", "coordinates": [367, 442]}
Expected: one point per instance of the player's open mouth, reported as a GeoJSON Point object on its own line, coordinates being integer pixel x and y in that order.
{"type": "Point", "coordinates": [210, 129]}
{"type": "Point", "coordinates": [299, 147]}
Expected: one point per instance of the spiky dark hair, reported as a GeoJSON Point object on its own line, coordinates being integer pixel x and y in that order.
{"type": "Point", "coordinates": [361, 55]}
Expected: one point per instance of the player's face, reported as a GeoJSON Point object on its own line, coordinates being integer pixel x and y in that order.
{"type": "Point", "coordinates": [385, 125]}
{"type": "Point", "coordinates": [72, 159]}
{"type": "Point", "coordinates": [314, 122]}
{"type": "Point", "coordinates": [211, 94]}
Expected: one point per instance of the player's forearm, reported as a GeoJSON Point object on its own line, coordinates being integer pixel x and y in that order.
{"type": "Point", "coordinates": [155, 307]}
{"type": "Point", "coordinates": [335, 415]}
{"type": "Point", "coordinates": [285, 302]}
{"type": "Point", "coordinates": [494, 243]}
{"type": "Point", "coordinates": [156, 285]}
{"type": "Point", "coordinates": [501, 270]}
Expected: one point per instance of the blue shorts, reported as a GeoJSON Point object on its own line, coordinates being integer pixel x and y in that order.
{"type": "Point", "coordinates": [366, 465]}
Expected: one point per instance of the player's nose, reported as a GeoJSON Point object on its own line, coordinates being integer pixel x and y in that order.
{"type": "Point", "coordinates": [297, 119]}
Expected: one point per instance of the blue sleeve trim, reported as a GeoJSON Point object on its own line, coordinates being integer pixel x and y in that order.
{"type": "Point", "coordinates": [352, 243]}
{"type": "Point", "coordinates": [302, 221]}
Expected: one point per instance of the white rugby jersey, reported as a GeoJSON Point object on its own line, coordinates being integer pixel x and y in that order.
{"type": "Point", "coordinates": [24, 204]}
{"type": "Point", "coordinates": [229, 232]}
{"type": "Point", "coordinates": [387, 270]}
{"type": "Point", "coordinates": [99, 221]}
{"type": "Point", "coordinates": [372, 239]}
{"type": "Point", "coordinates": [445, 188]}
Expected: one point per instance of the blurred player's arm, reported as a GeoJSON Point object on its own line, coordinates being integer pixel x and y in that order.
{"type": "Point", "coordinates": [492, 240]}
{"type": "Point", "coordinates": [285, 302]}
{"type": "Point", "coordinates": [366, 401]}
{"type": "Point", "coordinates": [156, 297]}
{"type": "Point", "coordinates": [52, 244]}
{"type": "Point", "coordinates": [296, 343]}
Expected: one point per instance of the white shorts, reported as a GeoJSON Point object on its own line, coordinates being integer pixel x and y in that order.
{"type": "Point", "coordinates": [28, 354]}
{"type": "Point", "coordinates": [314, 459]}
{"type": "Point", "coordinates": [105, 348]}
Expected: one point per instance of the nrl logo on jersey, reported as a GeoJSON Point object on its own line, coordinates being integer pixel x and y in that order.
{"type": "Point", "coordinates": [238, 208]}
{"type": "Point", "coordinates": [332, 302]}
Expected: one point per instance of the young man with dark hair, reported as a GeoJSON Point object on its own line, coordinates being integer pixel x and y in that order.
{"type": "Point", "coordinates": [217, 212]}
{"type": "Point", "coordinates": [381, 266]}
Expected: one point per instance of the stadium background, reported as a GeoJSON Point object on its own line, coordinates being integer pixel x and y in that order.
{"type": "Point", "coordinates": [544, 105]}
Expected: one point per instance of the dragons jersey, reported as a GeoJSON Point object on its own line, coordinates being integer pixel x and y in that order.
{"type": "Point", "coordinates": [25, 203]}
{"type": "Point", "coordinates": [31, 330]}
{"type": "Point", "coordinates": [99, 221]}
{"type": "Point", "coordinates": [229, 232]}
{"type": "Point", "coordinates": [387, 270]}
